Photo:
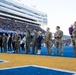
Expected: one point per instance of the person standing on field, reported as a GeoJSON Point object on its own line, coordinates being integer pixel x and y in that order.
{"type": "Point", "coordinates": [48, 41]}
{"type": "Point", "coordinates": [17, 42]}
{"type": "Point", "coordinates": [28, 37]}
{"type": "Point", "coordinates": [38, 42]}
{"type": "Point", "coordinates": [4, 42]}
{"type": "Point", "coordinates": [58, 40]}
{"type": "Point", "coordinates": [74, 39]}
{"type": "Point", "coordinates": [34, 40]}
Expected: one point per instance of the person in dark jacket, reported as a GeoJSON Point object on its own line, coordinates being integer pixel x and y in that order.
{"type": "Point", "coordinates": [38, 42]}
{"type": "Point", "coordinates": [9, 42]}
{"type": "Point", "coordinates": [13, 42]}
{"type": "Point", "coordinates": [22, 42]}
{"type": "Point", "coordinates": [1, 42]}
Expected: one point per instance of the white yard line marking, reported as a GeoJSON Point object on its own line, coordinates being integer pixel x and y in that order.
{"type": "Point", "coordinates": [74, 73]}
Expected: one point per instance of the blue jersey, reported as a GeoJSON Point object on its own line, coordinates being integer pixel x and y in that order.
{"type": "Point", "coordinates": [39, 39]}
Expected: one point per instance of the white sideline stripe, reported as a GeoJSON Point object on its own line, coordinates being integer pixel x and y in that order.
{"type": "Point", "coordinates": [74, 73]}
{"type": "Point", "coordinates": [15, 67]}
{"type": "Point", "coordinates": [54, 69]}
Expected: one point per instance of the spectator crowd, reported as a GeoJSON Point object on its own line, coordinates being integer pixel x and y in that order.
{"type": "Point", "coordinates": [13, 25]}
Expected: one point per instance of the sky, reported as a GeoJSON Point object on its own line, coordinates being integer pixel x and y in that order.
{"type": "Point", "coordinates": [60, 12]}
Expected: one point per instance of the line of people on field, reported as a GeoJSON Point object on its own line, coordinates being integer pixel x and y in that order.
{"type": "Point", "coordinates": [17, 41]}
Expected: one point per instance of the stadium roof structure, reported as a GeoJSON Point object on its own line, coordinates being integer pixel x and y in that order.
{"type": "Point", "coordinates": [12, 9]}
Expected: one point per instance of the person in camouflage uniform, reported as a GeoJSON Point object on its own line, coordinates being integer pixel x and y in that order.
{"type": "Point", "coordinates": [1, 42]}
{"type": "Point", "coordinates": [48, 41]}
{"type": "Point", "coordinates": [74, 39]}
{"type": "Point", "coordinates": [17, 42]}
{"type": "Point", "coordinates": [58, 40]}
{"type": "Point", "coordinates": [34, 41]}
{"type": "Point", "coordinates": [4, 42]}
{"type": "Point", "coordinates": [28, 36]}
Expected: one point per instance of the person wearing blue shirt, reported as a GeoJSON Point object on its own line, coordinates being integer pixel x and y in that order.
{"type": "Point", "coordinates": [38, 42]}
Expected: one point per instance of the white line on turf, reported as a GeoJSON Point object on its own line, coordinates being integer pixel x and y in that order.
{"type": "Point", "coordinates": [74, 73]}
{"type": "Point", "coordinates": [14, 67]}
{"type": "Point", "coordinates": [54, 69]}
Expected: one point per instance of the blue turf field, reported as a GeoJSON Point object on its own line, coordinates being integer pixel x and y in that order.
{"type": "Point", "coordinates": [68, 51]}
{"type": "Point", "coordinates": [32, 70]}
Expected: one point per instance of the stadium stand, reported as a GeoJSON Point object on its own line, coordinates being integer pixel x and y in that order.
{"type": "Point", "coordinates": [13, 25]}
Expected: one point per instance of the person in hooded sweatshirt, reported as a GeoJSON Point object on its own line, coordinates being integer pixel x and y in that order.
{"type": "Point", "coordinates": [71, 28]}
{"type": "Point", "coordinates": [38, 42]}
